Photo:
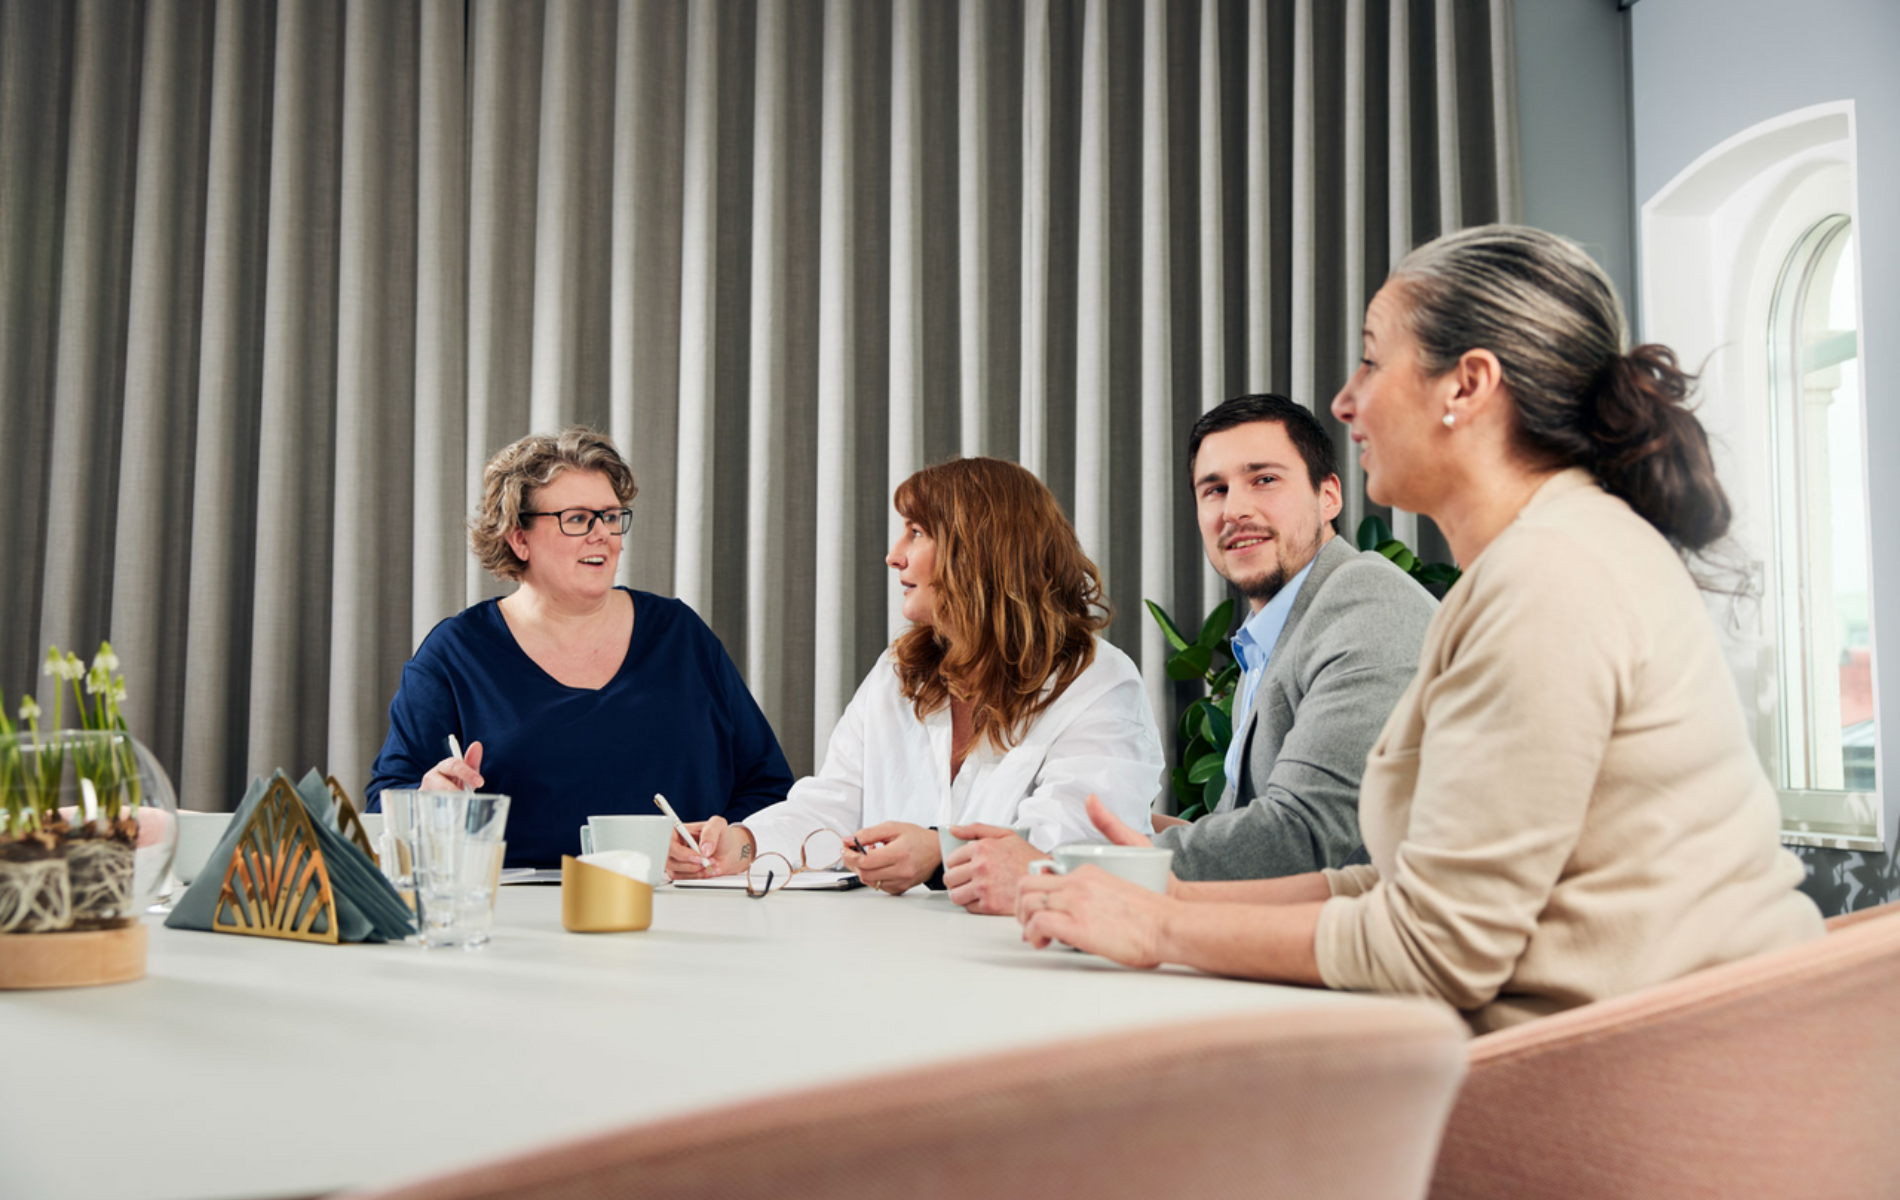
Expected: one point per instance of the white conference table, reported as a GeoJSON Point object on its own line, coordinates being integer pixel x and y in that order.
{"type": "Point", "coordinates": [242, 1067]}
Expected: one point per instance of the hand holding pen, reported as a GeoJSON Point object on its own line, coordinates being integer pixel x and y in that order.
{"type": "Point", "coordinates": [712, 847]}
{"type": "Point", "coordinates": [456, 773]}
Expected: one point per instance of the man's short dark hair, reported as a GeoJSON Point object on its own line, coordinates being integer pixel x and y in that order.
{"type": "Point", "coordinates": [1308, 435]}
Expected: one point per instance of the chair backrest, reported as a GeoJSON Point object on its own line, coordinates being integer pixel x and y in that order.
{"type": "Point", "coordinates": [1843, 920]}
{"type": "Point", "coordinates": [1336, 1101]}
{"type": "Point", "coordinates": [1776, 1076]}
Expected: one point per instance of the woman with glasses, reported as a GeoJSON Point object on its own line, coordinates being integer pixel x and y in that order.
{"type": "Point", "coordinates": [999, 707]}
{"type": "Point", "coordinates": [571, 695]}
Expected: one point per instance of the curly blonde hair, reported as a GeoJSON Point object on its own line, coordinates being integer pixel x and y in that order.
{"type": "Point", "coordinates": [511, 477]}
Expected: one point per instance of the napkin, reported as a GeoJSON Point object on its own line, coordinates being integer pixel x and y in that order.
{"type": "Point", "coordinates": [631, 863]}
{"type": "Point", "coordinates": [367, 906]}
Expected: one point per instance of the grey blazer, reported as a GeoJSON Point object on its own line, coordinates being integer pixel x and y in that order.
{"type": "Point", "coordinates": [1348, 650]}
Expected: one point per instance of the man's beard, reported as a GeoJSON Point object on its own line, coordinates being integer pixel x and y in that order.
{"type": "Point", "coordinates": [1268, 584]}
{"type": "Point", "coordinates": [1263, 588]}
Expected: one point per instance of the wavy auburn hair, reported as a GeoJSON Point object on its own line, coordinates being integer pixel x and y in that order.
{"type": "Point", "coordinates": [1018, 603]}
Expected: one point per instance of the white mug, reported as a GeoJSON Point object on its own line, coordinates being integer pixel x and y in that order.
{"type": "Point", "coordinates": [650, 835]}
{"type": "Point", "coordinates": [198, 834]}
{"type": "Point", "coordinates": [1144, 865]}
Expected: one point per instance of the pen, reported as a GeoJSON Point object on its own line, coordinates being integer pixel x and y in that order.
{"type": "Point", "coordinates": [678, 824]}
{"type": "Point", "coordinates": [455, 748]}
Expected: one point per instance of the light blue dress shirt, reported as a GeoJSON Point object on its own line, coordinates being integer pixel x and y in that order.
{"type": "Point", "coordinates": [1253, 646]}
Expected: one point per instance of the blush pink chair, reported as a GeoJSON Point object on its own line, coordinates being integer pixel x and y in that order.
{"type": "Point", "coordinates": [1329, 1102]}
{"type": "Point", "coordinates": [1777, 1076]}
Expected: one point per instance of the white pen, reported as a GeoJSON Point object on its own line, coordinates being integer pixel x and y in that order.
{"type": "Point", "coordinates": [678, 824]}
{"type": "Point", "coordinates": [455, 748]}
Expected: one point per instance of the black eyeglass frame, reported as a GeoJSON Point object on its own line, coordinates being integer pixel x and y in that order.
{"type": "Point", "coordinates": [610, 517]}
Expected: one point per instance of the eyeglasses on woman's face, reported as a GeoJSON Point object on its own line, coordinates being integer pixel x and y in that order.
{"type": "Point", "coordinates": [579, 522]}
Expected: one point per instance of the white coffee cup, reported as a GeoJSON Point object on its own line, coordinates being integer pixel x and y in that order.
{"type": "Point", "coordinates": [198, 834]}
{"type": "Point", "coordinates": [649, 835]}
{"type": "Point", "coordinates": [1144, 865]}
{"type": "Point", "coordinates": [948, 843]}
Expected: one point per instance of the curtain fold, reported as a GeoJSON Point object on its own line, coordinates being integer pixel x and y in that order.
{"type": "Point", "coordinates": [276, 279]}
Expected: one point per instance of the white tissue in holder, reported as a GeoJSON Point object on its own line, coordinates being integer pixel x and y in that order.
{"type": "Point", "coordinates": [631, 863]}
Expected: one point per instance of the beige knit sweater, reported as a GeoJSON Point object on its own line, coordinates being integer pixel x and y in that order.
{"type": "Point", "coordinates": [1564, 805]}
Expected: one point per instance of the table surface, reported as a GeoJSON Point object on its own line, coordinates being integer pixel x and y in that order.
{"type": "Point", "coordinates": [245, 1067]}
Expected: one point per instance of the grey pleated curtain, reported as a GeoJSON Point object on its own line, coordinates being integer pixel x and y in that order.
{"type": "Point", "coordinates": [276, 280]}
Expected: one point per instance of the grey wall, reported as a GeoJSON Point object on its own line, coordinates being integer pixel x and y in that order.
{"type": "Point", "coordinates": [1704, 70]}
{"type": "Point", "coordinates": [1574, 128]}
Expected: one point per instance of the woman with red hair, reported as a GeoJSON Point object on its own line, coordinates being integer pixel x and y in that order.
{"type": "Point", "coordinates": [999, 706]}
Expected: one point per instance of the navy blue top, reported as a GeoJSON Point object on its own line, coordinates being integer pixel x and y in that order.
{"type": "Point", "coordinates": [675, 719]}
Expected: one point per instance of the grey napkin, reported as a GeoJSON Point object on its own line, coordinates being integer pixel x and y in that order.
{"type": "Point", "coordinates": [367, 907]}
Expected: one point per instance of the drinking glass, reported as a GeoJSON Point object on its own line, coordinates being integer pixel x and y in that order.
{"type": "Point", "coordinates": [448, 848]}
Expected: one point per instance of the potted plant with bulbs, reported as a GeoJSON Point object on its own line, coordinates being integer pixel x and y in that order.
{"type": "Point", "coordinates": [86, 832]}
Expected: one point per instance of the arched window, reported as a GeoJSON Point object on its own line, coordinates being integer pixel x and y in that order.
{"type": "Point", "coordinates": [1824, 643]}
{"type": "Point", "coordinates": [1750, 269]}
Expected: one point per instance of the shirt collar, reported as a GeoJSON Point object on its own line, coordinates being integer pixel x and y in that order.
{"type": "Point", "coordinates": [1257, 637]}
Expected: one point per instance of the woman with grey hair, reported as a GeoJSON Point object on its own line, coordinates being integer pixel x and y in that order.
{"type": "Point", "coordinates": [571, 695]}
{"type": "Point", "coordinates": [1564, 806]}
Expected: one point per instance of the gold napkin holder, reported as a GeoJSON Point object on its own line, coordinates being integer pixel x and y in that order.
{"type": "Point", "coordinates": [348, 822]}
{"type": "Point", "coordinates": [596, 900]}
{"type": "Point", "coordinates": [276, 884]}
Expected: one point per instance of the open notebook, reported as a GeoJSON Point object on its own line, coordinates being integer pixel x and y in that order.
{"type": "Point", "coordinates": [803, 881]}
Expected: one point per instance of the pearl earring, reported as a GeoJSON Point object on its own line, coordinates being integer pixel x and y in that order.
{"type": "Point", "coordinates": [1450, 420]}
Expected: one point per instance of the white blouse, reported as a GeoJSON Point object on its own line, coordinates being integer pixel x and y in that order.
{"type": "Point", "coordinates": [883, 764]}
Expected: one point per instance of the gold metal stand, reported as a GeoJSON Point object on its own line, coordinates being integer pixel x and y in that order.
{"type": "Point", "coordinates": [276, 884]}
{"type": "Point", "coordinates": [348, 821]}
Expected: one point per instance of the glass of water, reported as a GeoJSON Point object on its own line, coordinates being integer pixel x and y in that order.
{"type": "Point", "coordinates": [454, 844]}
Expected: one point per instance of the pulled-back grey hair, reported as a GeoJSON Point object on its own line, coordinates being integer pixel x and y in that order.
{"type": "Point", "coordinates": [1550, 315]}
{"type": "Point", "coordinates": [527, 464]}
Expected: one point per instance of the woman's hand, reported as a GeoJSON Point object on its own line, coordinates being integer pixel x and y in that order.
{"type": "Point", "coordinates": [983, 875]}
{"type": "Point", "coordinates": [456, 774]}
{"type": "Point", "coordinates": [1097, 912]}
{"type": "Point", "coordinates": [897, 856]}
{"type": "Point", "coordinates": [723, 850]}
{"type": "Point", "coordinates": [1118, 833]}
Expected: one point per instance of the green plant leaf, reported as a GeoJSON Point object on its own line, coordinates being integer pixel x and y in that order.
{"type": "Point", "coordinates": [1191, 663]}
{"type": "Point", "coordinates": [1373, 531]}
{"type": "Point", "coordinates": [1196, 746]}
{"type": "Point", "coordinates": [1189, 727]}
{"type": "Point", "coordinates": [1224, 682]}
{"type": "Point", "coordinates": [1401, 557]}
{"type": "Point", "coordinates": [1217, 728]}
{"type": "Point", "coordinates": [1214, 629]}
{"type": "Point", "coordinates": [1185, 794]}
{"type": "Point", "coordinates": [1166, 622]}
{"type": "Point", "coordinates": [1206, 767]}
{"type": "Point", "coordinates": [1193, 812]}
{"type": "Point", "coordinates": [1211, 790]}
{"type": "Point", "coordinates": [1443, 573]}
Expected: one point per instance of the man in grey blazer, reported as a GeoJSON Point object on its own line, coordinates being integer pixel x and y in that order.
{"type": "Point", "coordinates": [1332, 641]}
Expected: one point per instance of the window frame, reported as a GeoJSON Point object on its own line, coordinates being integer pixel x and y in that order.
{"type": "Point", "coordinates": [1715, 242]}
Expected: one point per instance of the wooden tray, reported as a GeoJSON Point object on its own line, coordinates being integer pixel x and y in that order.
{"type": "Point", "coordinates": [78, 959]}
